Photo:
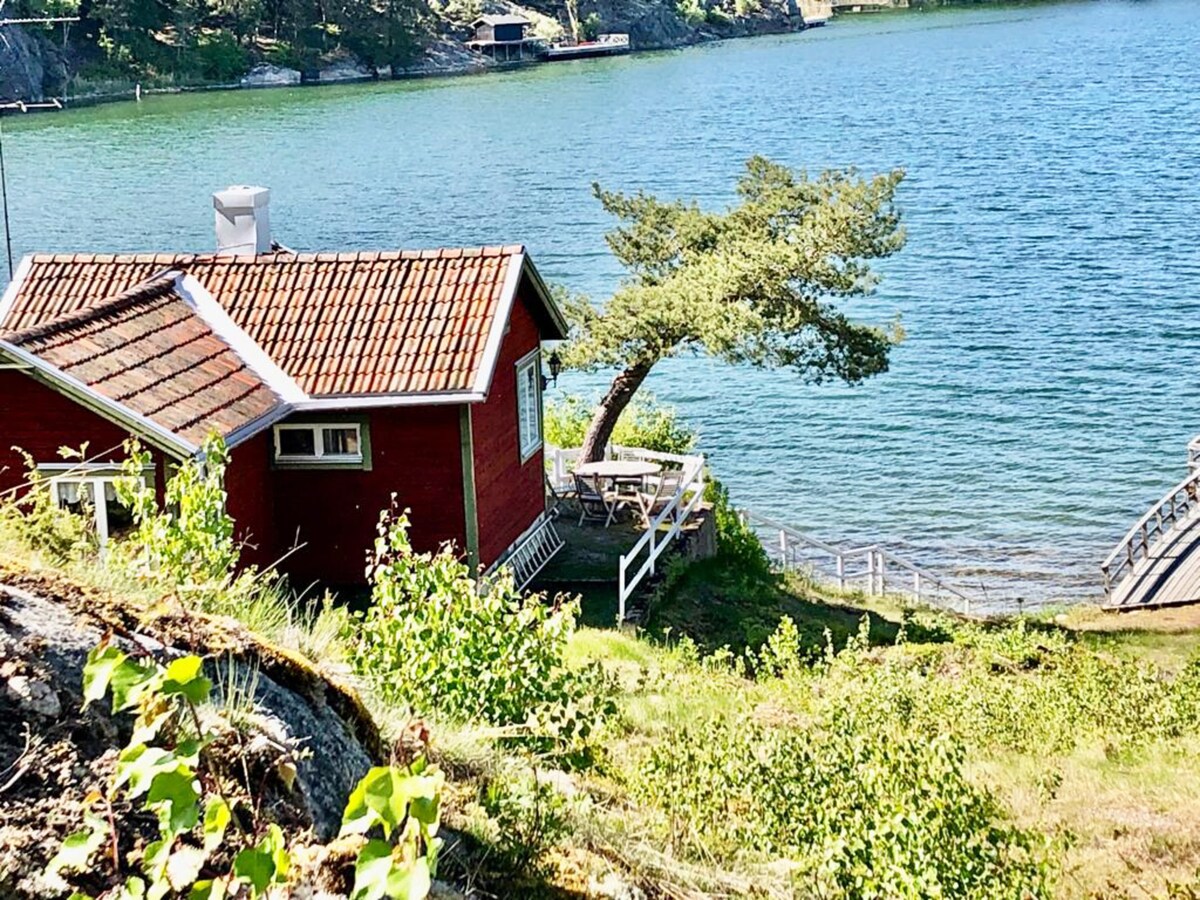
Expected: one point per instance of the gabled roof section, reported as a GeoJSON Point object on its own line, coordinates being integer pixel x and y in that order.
{"type": "Point", "coordinates": [409, 326]}
{"type": "Point", "coordinates": [148, 356]}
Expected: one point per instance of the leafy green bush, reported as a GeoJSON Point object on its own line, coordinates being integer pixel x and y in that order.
{"type": "Point", "coordinates": [691, 11]}
{"type": "Point", "coordinates": [219, 57]}
{"type": "Point", "coordinates": [527, 820]}
{"type": "Point", "coordinates": [589, 28]}
{"type": "Point", "coordinates": [189, 540]}
{"type": "Point", "coordinates": [439, 641]}
{"type": "Point", "coordinates": [738, 546]}
{"type": "Point", "coordinates": [196, 783]}
{"type": "Point", "coordinates": [644, 423]}
{"type": "Point", "coordinates": [862, 811]}
{"type": "Point", "coordinates": [41, 524]}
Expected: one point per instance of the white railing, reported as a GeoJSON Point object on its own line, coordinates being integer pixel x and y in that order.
{"type": "Point", "coordinates": [1176, 505]}
{"type": "Point", "coordinates": [1194, 454]}
{"type": "Point", "coordinates": [651, 544]}
{"type": "Point", "coordinates": [686, 498]}
{"type": "Point", "coordinates": [874, 569]}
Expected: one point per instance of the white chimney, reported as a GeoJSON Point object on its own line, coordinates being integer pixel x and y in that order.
{"type": "Point", "coordinates": [243, 220]}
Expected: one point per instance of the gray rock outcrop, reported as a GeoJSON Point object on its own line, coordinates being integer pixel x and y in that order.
{"type": "Point", "coordinates": [267, 75]}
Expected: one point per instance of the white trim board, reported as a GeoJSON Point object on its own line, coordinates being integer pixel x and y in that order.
{"type": "Point", "coordinates": [207, 308]}
{"type": "Point", "coordinates": [491, 350]}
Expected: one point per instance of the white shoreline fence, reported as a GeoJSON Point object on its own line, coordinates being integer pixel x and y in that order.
{"type": "Point", "coordinates": [873, 569]}
{"type": "Point", "coordinates": [664, 527]}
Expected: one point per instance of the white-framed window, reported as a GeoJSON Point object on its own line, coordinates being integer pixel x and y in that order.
{"type": "Point", "coordinates": [90, 489]}
{"type": "Point", "coordinates": [319, 442]}
{"type": "Point", "coordinates": [529, 403]}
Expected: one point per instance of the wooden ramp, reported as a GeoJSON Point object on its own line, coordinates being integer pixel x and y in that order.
{"type": "Point", "coordinates": [1158, 562]}
{"type": "Point", "coordinates": [1169, 575]}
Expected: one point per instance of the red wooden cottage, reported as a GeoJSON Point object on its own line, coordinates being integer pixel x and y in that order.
{"type": "Point", "coordinates": [337, 379]}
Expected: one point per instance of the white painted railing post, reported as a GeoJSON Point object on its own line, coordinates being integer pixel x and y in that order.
{"type": "Point", "coordinates": [879, 572]}
{"type": "Point", "coordinates": [783, 549]}
{"type": "Point", "coordinates": [917, 586]}
{"type": "Point", "coordinates": [621, 596]}
{"type": "Point", "coordinates": [841, 572]}
{"type": "Point", "coordinates": [870, 573]}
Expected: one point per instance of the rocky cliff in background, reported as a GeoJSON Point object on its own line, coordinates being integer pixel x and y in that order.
{"type": "Point", "coordinates": [31, 67]}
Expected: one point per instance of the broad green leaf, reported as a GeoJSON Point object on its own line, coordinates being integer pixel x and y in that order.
{"type": "Point", "coordinates": [78, 847]}
{"type": "Point", "coordinates": [150, 724]}
{"type": "Point", "coordinates": [185, 676]}
{"type": "Point", "coordinates": [133, 889]}
{"type": "Point", "coordinates": [98, 671]}
{"type": "Point", "coordinates": [276, 845]}
{"type": "Point", "coordinates": [254, 867]}
{"type": "Point", "coordinates": [371, 871]}
{"type": "Point", "coordinates": [137, 766]}
{"type": "Point", "coordinates": [175, 796]}
{"type": "Point", "coordinates": [216, 820]}
{"type": "Point", "coordinates": [129, 680]}
{"type": "Point", "coordinates": [154, 864]}
{"type": "Point", "coordinates": [209, 889]}
{"type": "Point", "coordinates": [409, 880]}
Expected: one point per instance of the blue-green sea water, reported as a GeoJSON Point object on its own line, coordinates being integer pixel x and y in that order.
{"type": "Point", "coordinates": [1048, 384]}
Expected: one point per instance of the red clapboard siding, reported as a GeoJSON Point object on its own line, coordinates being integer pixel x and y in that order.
{"type": "Point", "coordinates": [509, 495]}
{"type": "Point", "coordinates": [40, 420]}
{"type": "Point", "coordinates": [415, 453]}
{"type": "Point", "coordinates": [248, 485]}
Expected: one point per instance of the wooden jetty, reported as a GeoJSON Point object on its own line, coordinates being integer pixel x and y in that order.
{"type": "Point", "coordinates": [604, 45]}
{"type": "Point", "coordinates": [1157, 563]}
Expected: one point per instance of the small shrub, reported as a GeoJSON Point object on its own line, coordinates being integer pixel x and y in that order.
{"type": "Point", "coordinates": [744, 8]}
{"type": "Point", "coordinates": [189, 541]}
{"type": "Point", "coordinates": [439, 641]}
{"type": "Point", "coordinates": [863, 811]}
{"type": "Point", "coordinates": [527, 820]}
{"type": "Point", "coordinates": [692, 12]}
{"type": "Point", "coordinates": [219, 57]}
{"type": "Point", "coordinates": [196, 783]}
{"type": "Point", "coordinates": [737, 544]}
{"type": "Point", "coordinates": [589, 28]}
{"type": "Point", "coordinates": [644, 423]}
{"type": "Point", "coordinates": [41, 524]}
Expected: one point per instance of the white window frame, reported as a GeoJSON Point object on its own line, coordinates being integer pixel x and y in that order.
{"type": "Point", "coordinates": [319, 457]}
{"type": "Point", "coordinates": [95, 475]}
{"type": "Point", "coordinates": [530, 361]}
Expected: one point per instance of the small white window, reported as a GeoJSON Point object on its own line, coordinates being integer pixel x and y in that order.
{"type": "Point", "coordinates": [93, 494]}
{"type": "Point", "coordinates": [529, 404]}
{"type": "Point", "coordinates": [319, 443]}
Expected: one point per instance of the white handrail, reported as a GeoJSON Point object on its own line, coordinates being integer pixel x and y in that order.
{"type": "Point", "coordinates": [1150, 529]}
{"type": "Point", "coordinates": [925, 584]}
{"type": "Point", "coordinates": [676, 510]}
{"type": "Point", "coordinates": [1194, 453]}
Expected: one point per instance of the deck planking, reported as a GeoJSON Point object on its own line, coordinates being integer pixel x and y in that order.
{"type": "Point", "coordinates": [1171, 575]}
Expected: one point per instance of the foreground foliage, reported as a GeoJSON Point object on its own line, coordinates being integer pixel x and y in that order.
{"type": "Point", "coordinates": [186, 765]}
{"type": "Point", "coordinates": [437, 640]}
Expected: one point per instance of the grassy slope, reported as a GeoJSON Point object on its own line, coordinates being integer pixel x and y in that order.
{"type": "Point", "coordinates": [1132, 816]}
{"type": "Point", "coordinates": [1131, 819]}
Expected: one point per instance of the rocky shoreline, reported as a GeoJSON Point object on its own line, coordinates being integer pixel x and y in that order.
{"type": "Point", "coordinates": [33, 69]}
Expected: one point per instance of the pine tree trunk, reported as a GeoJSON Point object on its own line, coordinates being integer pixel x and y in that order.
{"type": "Point", "coordinates": [620, 392]}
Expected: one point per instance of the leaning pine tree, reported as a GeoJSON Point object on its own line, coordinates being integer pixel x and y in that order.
{"type": "Point", "coordinates": [758, 283]}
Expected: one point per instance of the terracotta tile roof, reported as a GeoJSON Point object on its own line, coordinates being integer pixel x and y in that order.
{"type": "Point", "coordinates": [149, 351]}
{"type": "Point", "coordinates": [338, 323]}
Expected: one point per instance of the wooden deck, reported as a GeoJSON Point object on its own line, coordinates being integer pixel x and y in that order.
{"type": "Point", "coordinates": [1169, 575]}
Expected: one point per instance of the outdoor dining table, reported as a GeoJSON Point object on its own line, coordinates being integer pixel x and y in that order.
{"type": "Point", "coordinates": [617, 471]}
